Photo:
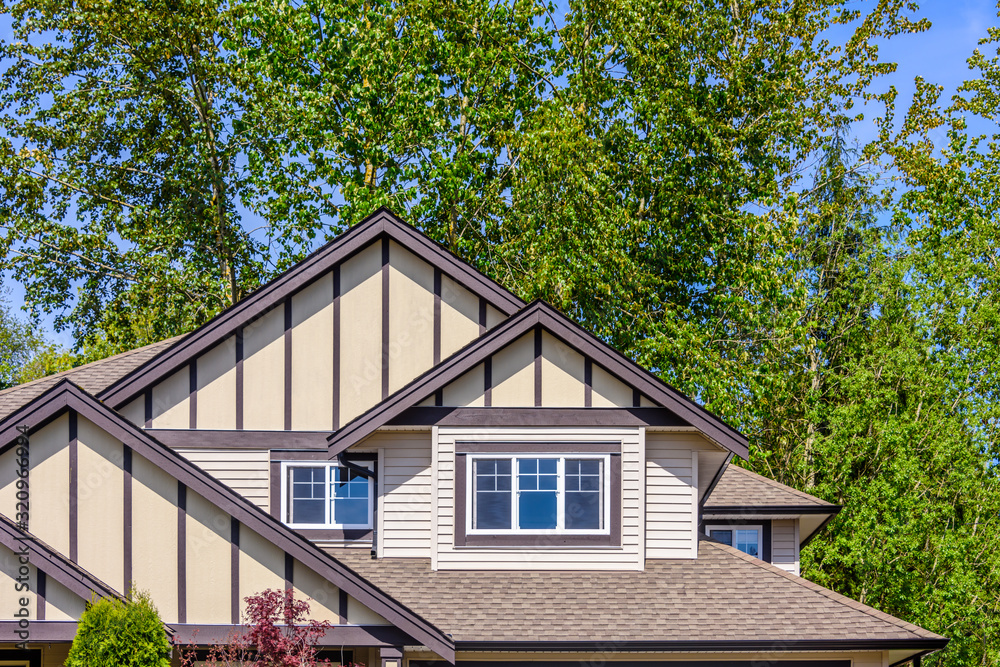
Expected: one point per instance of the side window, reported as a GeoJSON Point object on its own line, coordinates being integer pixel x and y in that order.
{"type": "Point", "coordinates": [324, 495]}
{"type": "Point", "coordinates": [748, 539]}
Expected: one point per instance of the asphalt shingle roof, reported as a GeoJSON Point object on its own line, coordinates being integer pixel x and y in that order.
{"type": "Point", "coordinates": [723, 590]}
{"type": "Point", "coordinates": [738, 487]}
{"type": "Point", "coordinates": [93, 377]}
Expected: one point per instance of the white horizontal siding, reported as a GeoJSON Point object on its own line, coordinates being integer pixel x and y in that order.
{"type": "Point", "coordinates": [785, 545]}
{"type": "Point", "coordinates": [405, 523]}
{"type": "Point", "coordinates": [245, 471]}
{"type": "Point", "coordinates": [626, 557]}
{"type": "Point", "coordinates": [672, 495]}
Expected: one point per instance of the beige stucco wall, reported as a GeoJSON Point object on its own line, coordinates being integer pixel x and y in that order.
{"type": "Point", "coordinates": [411, 316]}
{"type": "Point", "coordinates": [101, 507]}
{"type": "Point", "coordinates": [360, 332]}
{"type": "Point", "coordinates": [217, 386]}
{"type": "Point", "coordinates": [208, 563]}
{"type": "Point", "coordinates": [154, 535]}
{"type": "Point", "coordinates": [264, 372]}
{"type": "Point", "coordinates": [312, 356]}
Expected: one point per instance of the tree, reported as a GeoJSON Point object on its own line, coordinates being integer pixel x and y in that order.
{"type": "Point", "coordinates": [120, 633]}
{"type": "Point", "coordinates": [19, 342]}
{"type": "Point", "coordinates": [276, 634]}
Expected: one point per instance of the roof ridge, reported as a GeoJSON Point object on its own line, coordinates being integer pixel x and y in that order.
{"type": "Point", "coordinates": [89, 365]}
{"type": "Point", "coordinates": [776, 484]}
{"type": "Point", "coordinates": [825, 592]}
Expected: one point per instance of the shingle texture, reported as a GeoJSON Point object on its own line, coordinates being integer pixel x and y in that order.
{"type": "Point", "coordinates": [723, 594]}
{"type": "Point", "coordinates": [93, 377]}
{"type": "Point", "coordinates": [739, 487]}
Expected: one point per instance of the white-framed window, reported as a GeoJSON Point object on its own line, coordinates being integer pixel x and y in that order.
{"type": "Point", "coordinates": [746, 538]}
{"type": "Point", "coordinates": [558, 494]}
{"type": "Point", "coordinates": [325, 495]}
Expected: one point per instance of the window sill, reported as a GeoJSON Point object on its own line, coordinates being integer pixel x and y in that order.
{"type": "Point", "coordinates": [540, 541]}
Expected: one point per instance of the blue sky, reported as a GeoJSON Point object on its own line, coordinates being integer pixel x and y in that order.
{"type": "Point", "coordinates": [938, 55]}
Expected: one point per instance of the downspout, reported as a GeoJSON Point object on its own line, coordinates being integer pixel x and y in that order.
{"type": "Point", "coordinates": [367, 474]}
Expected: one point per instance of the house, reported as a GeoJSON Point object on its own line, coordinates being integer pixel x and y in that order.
{"type": "Point", "coordinates": [449, 475]}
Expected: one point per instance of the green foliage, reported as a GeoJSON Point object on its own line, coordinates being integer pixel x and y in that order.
{"type": "Point", "coordinates": [19, 342]}
{"type": "Point", "coordinates": [113, 633]}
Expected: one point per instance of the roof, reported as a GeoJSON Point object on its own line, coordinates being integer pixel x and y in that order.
{"type": "Point", "coordinates": [68, 396]}
{"type": "Point", "coordinates": [537, 315]}
{"type": "Point", "coordinates": [93, 377]}
{"type": "Point", "coordinates": [739, 488]}
{"type": "Point", "coordinates": [722, 596]}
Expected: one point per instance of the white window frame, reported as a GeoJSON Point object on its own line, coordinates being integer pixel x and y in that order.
{"type": "Point", "coordinates": [286, 465]}
{"type": "Point", "coordinates": [709, 527]}
{"type": "Point", "coordinates": [470, 499]}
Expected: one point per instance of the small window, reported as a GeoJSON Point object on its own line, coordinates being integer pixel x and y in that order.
{"type": "Point", "coordinates": [325, 495]}
{"type": "Point", "coordinates": [745, 538]}
{"type": "Point", "coordinates": [538, 494]}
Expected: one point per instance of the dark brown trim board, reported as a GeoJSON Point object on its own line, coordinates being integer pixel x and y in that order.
{"type": "Point", "coordinates": [489, 416]}
{"type": "Point", "coordinates": [40, 595]}
{"type": "Point", "coordinates": [381, 223]}
{"type": "Point", "coordinates": [41, 632]}
{"type": "Point", "coordinates": [74, 488]}
{"type": "Point", "coordinates": [767, 510]}
{"type": "Point", "coordinates": [538, 541]}
{"type": "Point", "coordinates": [772, 661]}
{"type": "Point", "coordinates": [288, 364]}
{"type": "Point", "coordinates": [539, 315]}
{"type": "Point", "coordinates": [67, 396]}
{"type": "Point", "coordinates": [234, 570]}
{"type": "Point", "coordinates": [204, 439]}
{"type": "Point", "coordinates": [181, 552]}
{"type": "Point", "coordinates": [127, 519]}
{"type": "Point", "coordinates": [338, 635]}
{"type": "Point", "coordinates": [385, 317]}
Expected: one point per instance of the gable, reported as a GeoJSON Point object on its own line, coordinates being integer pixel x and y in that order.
{"type": "Point", "coordinates": [322, 343]}
{"type": "Point", "coordinates": [538, 370]}
{"type": "Point", "coordinates": [526, 366]}
{"type": "Point", "coordinates": [122, 506]}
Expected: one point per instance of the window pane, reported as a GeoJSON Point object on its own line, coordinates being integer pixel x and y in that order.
{"type": "Point", "coordinates": [307, 495]}
{"type": "Point", "coordinates": [350, 497]}
{"type": "Point", "coordinates": [724, 536]}
{"type": "Point", "coordinates": [746, 541]}
{"type": "Point", "coordinates": [536, 510]}
{"type": "Point", "coordinates": [583, 510]}
{"type": "Point", "coordinates": [491, 488]}
{"type": "Point", "coordinates": [492, 510]}
{"type": "Point", "coordinates": [350, 512]}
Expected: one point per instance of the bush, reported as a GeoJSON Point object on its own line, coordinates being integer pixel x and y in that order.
{"type": "Point", "coordinates": [113, 633]}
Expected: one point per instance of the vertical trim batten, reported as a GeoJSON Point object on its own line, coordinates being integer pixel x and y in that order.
{"type": "Point", "coordinates": [482, 316]}
{"type": "Point", "coordinates": [385, 317]}
{"type": "Point", "coordinates": [342, 606]}
{"type": "Point", "coordinates": [234, 570]}
{"type": "Point", "coordinates": [74, 487]}
{"type": "Point", "coordinates": [127, 518]}
{"type": "Point", "coordinates": [488, 382]}
{"type": "Point", "coordinates": [588, 383]}
{"type": "Point", "coordinates": [181, 553]}
{"type": "Point", "coordinates": [289, 571]}
{"type": "Point", "coordinates": [288, 364]}
{"type": "Point", "coordinates": [239, 379]}
{"type": "Point", "coordinates": [147, 408]}
{"type": "Point", "coordinates": [437, 316]}
{"type": "Point", "coordinates": [40, 595]}
{"type": "Point", "coordinates": [336, 347]}
{"type": "Point", "coordinates": [538, 368]}
{"type": "Point", "coordinates": [636, 398]}
{"type": "Point", "coordinates": [193, 394]}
